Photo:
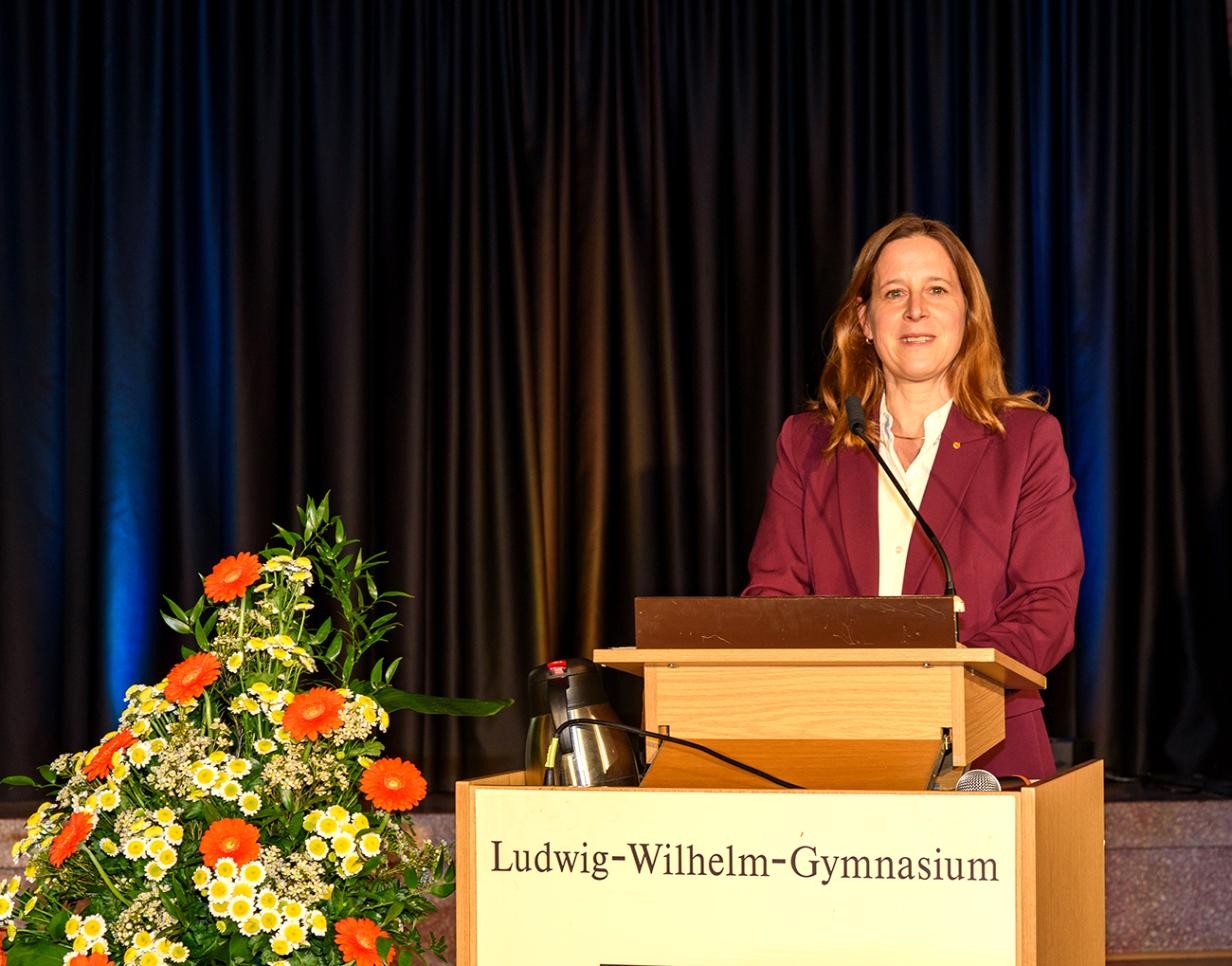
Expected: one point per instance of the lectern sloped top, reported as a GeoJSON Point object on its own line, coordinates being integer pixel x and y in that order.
{"type": "Point", "coordinates": [795, 622]}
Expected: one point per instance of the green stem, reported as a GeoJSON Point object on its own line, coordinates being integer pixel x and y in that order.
{"type": "Point", "coordinates": [106, 879]}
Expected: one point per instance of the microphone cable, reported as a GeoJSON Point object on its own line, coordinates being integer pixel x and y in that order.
{"type": "Point", "coordinates": [549, 771]}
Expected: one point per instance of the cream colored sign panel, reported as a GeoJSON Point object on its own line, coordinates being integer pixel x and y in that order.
{"type": "Point", "coordinates": [622, 877]}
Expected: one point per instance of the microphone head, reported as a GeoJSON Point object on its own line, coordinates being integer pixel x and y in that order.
{"type": "Point", "coordinates": [978, 780]}
{"type": "Point", "coordinates": [855, 415]}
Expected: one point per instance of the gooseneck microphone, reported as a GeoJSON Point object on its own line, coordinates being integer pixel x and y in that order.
{"type": "Point", "coordinates": [859, 425]}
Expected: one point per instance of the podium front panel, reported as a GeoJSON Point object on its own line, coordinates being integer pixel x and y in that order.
{"type": "Point", "coordinates": [638, 876]}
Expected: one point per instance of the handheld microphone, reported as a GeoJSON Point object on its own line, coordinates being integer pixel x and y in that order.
{"type": "Point", "coordinates": [980, 780]}
{"type": "Point", "coordinates": [859, 426]}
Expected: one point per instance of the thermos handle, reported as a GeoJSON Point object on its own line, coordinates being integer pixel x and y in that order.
{"type": "Point", "coordinates": [558, 706]}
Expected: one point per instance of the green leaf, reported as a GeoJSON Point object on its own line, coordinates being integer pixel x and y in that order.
{"type": "Point", "coordinates": [389, 672]}
{"type": "Point", "coordinates": [395, 699]}
{"type": "Point", "coordinates": [406, 958]}
{"type": "Point", "coordinates": [322, 632]}
{"type": "Point", "coordinates": [378, 670]}
{"type": "Point", "coordinates": [177, 610]}
{"type": "Point", "coordinates": [382, 621]}
{"type": "Point", "coordinates": [335, 647]}
{"type": "Point", "coordinates": [442, 890]}
{"type": "Point", "coordinates": [37, 954]}
{"type": "Point", "coordinates": [203, 631]}
{"type": "Point", "coordinates": [49, 776]}
{"type": "Point", "coordinates": [175, 623]}
{"type": "Point", "coordinates": [56, 926]}
{"type": "Point", "coordinates": [239, 949]}
{"type": "Point", "coordinates": [19, 780]}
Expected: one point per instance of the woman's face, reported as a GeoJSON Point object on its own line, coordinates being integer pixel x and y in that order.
{"type": "Point", "coordinates": [915, 314]}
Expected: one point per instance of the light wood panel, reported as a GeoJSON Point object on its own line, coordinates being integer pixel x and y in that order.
{"type": "Point", "coordinates": [979, 705]}
{"type": "Point", "coordinates": [1069, 865]}
{"type": "Point", "coordinates": [990, 663]}
{"type": "Point", "coordinates": [812, 702]}
{"type": "Point", "coordinates": [866, 765]}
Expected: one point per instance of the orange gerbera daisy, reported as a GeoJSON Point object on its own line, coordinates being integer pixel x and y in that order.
{"type": "Point", "coordinates": [188, 679]}
{"type": "Point", "coordinates": [93, 959]}
{"type": "Point", "coordinates": [357, 940]}
{"type": "Point", "coordinates": [232, 576]}
{"type": "Point", "coordinates": [230, 838]}
{"type": "Point", "coordinates": [313, 713]}
{"type": "Point", "coordinates": [101, 764]}
{"type": "Point", "coordinates": [393, 785]}
{"type": "Point", "coordinates": [75, 831]}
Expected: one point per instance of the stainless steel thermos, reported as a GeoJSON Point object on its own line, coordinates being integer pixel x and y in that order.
{"type": "Point", "coordinates": [588, 754]}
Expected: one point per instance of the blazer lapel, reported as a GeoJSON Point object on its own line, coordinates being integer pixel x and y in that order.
{"type": "Point", "coordinates": [856, 472]}
{"type": "Point", "coordinates": [963, 444]}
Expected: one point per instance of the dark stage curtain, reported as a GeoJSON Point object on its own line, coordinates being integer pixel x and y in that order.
{"type": "Point", "coordinates": [530, 286]}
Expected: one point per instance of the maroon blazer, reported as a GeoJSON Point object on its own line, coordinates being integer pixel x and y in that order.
{"type": "Point", "coordinates": [1001, 505]}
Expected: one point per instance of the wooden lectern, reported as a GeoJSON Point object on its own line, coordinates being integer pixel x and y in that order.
{"type": "Point", "coordinates": [870, 705]}
{"type": "Point", "coordinates": [889, 700]}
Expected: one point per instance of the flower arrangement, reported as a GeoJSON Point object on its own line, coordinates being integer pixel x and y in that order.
{"type": "Point", "coordinates": [243, 811]}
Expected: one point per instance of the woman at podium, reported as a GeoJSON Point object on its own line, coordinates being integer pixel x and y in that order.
{"type": "Point", "coordinates": [914, 343]}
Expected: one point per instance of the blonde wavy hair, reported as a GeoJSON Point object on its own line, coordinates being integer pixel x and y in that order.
{"type": "Point", "coordinates": [976, 377]}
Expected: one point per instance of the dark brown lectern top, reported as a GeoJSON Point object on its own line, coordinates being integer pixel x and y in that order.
{"type": "Point", "coordinates": [714, 622]}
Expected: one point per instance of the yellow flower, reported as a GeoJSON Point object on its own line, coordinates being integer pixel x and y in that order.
{"type": "Point", "coordinates": [164, 816]}
{"type": "Point", "coordinates": [316, 847]}
{"type": "Point", "coordinates": [241, 908]}
{"type": "Point", "coordinates": [250, 803]}
{"type": "Point", "coordinates": [370, 844]}
{"type": "Point", "coordinates": [327, 826]}
{"type": "Point", "coordinates": [344, 844]}
{"type": "Point", "coordinates": [204, 776]}
{"type": "Point", "coordinates": [226, 868]}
